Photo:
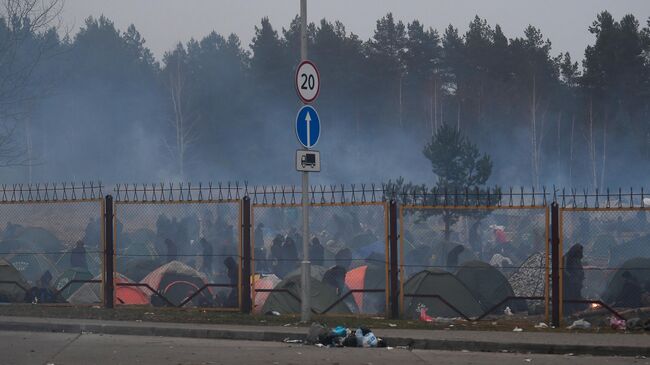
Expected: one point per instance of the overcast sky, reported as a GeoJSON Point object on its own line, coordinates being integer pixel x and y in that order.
{"type": "Point", "coordinates": [163, 23]}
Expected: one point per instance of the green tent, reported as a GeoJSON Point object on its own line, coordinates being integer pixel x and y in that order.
{"type": "Point", "coordinates": [68, 276]}
{"type": "Point", "coordinates": [486, 283]}
{"type": "Point", "coordinates": [638, 267]}
{"type": "Point", "coordinates": [32, 266]}
{"type": "Point", "coordinates": [322, 296]}
{"type": "Point", "coordinates": [14, 287]}
{"type": "Point", "coordinates": [444, 284]}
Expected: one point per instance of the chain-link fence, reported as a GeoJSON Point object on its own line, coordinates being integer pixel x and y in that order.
{"type": "Point", "coordinates": [605, 267]}
{"type": "Point", "coordinates": [472, 261]}
{"type": "Point", "coordinates": [179, 253]}
{"type": "Point", "coordinates": [348, 254]}
{"type": "Point", "coordinates": [51, 245]}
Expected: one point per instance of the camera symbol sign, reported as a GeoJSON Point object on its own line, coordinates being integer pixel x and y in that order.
{"type": "Point", "coordinates": [307, 126]}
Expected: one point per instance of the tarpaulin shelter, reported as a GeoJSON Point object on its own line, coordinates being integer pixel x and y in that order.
{"type": "Point", "coordinates": [263, 282]}
{"type": "Point", "coordinates": [444, 284]}
{"type": "Point", "coordinates": [68, 276]}
{"type": "Point", "coordinates": [286, 299]}
{"type": "Point", "coordinates": [90, 293]}
{"type": "Point", "coordinates": [529, 279]}
{"type": "Point", "coordinates": [486, 283]}
{"type": "Point", "coordinates": [368, 277]}
{"type": "Point", "coordinates": [177, 281]}
{"type": "Point", "coordinates": [14, 287]}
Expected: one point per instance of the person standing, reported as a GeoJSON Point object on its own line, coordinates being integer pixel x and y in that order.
{"type": "Point", "coordinates": [78, 256]}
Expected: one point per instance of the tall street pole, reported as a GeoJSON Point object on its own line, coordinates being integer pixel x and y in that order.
{"type": "Point", "coordinates": [305, 307]}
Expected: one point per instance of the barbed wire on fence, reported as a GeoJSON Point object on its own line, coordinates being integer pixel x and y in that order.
{"type": "Point", "coordinates": [318, 194]}
{"type": "Point", "coordinates": [328, 194]}
{"type": "Point", "coordinates": [45, 192]}
{"type": "Point", "coordinates": [586, 199]}
{"type": "Point", "coordinates": [473, 197]}
{"type": "Point", "coordinates": [182, 191]}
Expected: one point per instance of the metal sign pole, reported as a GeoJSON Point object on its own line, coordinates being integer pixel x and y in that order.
{"type": "Point", "coordinates": [305, 307]}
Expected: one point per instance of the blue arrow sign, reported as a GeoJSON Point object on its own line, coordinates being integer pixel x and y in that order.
{"type": "Point", "coordinates": [307, 126]}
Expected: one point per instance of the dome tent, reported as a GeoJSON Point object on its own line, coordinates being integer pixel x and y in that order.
{"type": "Point", "coordinates": [177, 281]}
{"type": "Point", "coordinates": [90, 293]}
{"type": "Point", "coordinates": [444, 284]}
{"type": "Point", "coordinates": [637, 269]}
{"type": "Point", "coordinates": [13, 290]}
{"type": "Point", "coordinates": [486, 283]}
{"type": "Point", "coordinates": [322, 296]}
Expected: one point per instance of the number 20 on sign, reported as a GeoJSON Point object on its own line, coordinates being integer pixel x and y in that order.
{"type": "Point", "coordinates": [307, 81]}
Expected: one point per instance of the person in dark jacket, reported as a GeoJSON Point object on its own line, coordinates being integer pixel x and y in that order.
{"type": "Point", "coordinates": [276, 256]}
{"type": "Point", "coordinates": [316, 252]}
{"type": "Point", "coordinates": [208, 255]}
{"type": "Point", "coordinates": [573, 279]}
{"type": "Point", "coordinates": [78, 256]}
{"type": "Point", "coordinates": [289, 256]}
{"type": "Point", "coordinates": [232, 271]}
{"type": "Point", "coordinates": [343, 258]}
{"type": "Point", "coordinates": [630, 294]}
{"type": "Point", "coordinates": [259, 250]}
{"type": "Point", "coordinates": [172, 251]}
{"type": "Point", "coordinates": [452, 257]}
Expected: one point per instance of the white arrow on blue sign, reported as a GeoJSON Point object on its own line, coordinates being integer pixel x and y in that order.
{"type": "Point", "coordinates": [307, 126]}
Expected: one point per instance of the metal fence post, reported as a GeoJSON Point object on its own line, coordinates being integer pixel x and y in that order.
{"type": "Point", "coordinates": [394, 269]}
{"type": "Point", "coordinates": [245, 282]}
{"type": "Point", "coordinates": [109, 252]}
{"type": "Point", "coordinates": [555, 264]}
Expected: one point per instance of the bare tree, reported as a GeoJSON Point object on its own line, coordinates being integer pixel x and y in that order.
{"type": "Point", "coordinates": [183, 121]}
{"type": "Point", "coordinates": [25, 43]}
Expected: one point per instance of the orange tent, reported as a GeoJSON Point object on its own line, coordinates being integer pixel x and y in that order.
{"type": "Point", "coordinates": [90, 293]}
{"type": "Point", "coordinates": [356, 279]}
{"type": "Point", "coordinates": [129, 294]}
{"type": "Point", "coordinates": [263, 282]}
{"type": "Point", "coordinates": [178, 281]}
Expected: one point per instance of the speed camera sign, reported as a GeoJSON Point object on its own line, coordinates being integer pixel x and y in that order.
{"type": "Point", "coordinates": [307, 81]}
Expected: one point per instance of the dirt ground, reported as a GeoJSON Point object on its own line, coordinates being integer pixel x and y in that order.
{"type": "Point", "coordinates": [193, 315]}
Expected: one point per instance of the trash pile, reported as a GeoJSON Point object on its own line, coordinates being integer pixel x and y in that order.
{"type": "Point", "coordinates": [340, 336]}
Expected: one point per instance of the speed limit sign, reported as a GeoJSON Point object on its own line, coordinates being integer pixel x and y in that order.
{"type": "Point", "coordinates": [307, 81]}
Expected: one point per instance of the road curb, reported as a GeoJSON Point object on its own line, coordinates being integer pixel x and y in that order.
{"type": "Point", "coordinates": [159, 329]}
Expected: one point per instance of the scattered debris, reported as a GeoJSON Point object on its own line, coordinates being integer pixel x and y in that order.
{"type": "Point", "coordinates": [272, 313]}
{"type": "Point", "coordinates": [507, 311]}
{"type": "Point", "coordinates": [580, 324]}
{"type": "Point", "coordinates": [617, 323]}
{"type": "Point", "coordinates": [148, 313]}
{"type": "Point", "coordinates": [392, 325]}
{"type": "Point", "coordinates": [340, 336]}
{"type": "Point", "coordinates": [517, 329]}
{"type": "Point", "coordinates": [633, 324]}
{"type": "Point", "coordinates": [528, 360]}
{"type": "Point", "coordinates": [541, 325]}
{"type": "Point", "coordinates": [289, 340]}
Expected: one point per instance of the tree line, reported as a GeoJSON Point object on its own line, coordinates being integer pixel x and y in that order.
{"type": "Point", "coordinates": [99, 101]}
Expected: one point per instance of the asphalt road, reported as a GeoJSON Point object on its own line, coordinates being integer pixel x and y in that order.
{"type": "Point", "coordinates": [76, 349]}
